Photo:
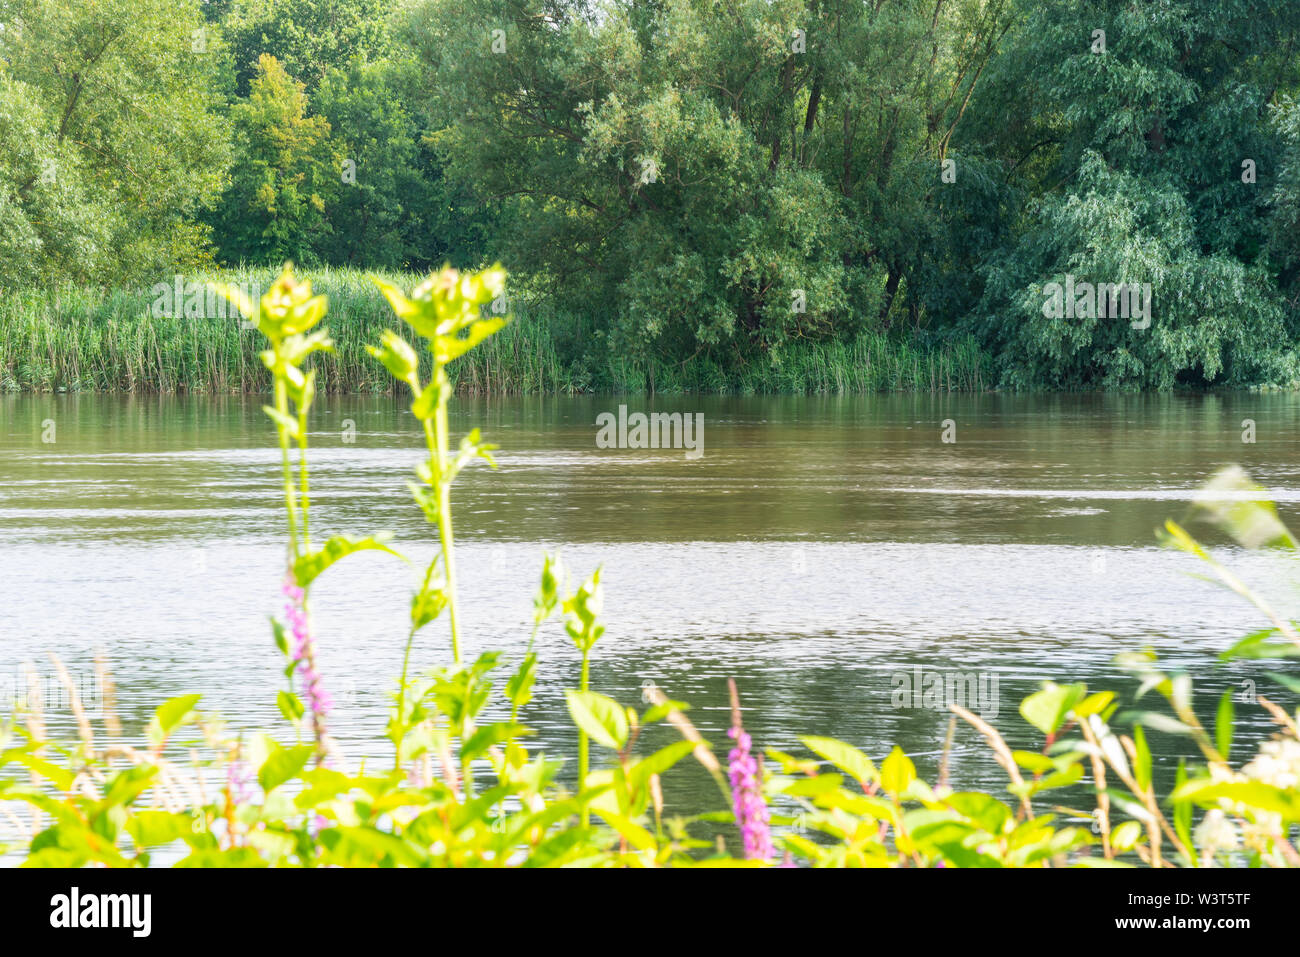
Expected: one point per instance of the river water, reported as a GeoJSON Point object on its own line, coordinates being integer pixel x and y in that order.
{"type": "Point", "coordinates": [824, 552]}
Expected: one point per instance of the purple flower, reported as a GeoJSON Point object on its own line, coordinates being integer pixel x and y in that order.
{"type": "Point", "coordinates": [302, 651]}
{"type": "Point", "coordinates": [239, 782]}
{"type": "Point", "coordinates": [747, 795]}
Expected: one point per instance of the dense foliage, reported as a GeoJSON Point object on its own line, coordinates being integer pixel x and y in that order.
{"type": "Point", "coordinates": [708, 184]}
{"type": "Point", "coordinates": [464, 790]}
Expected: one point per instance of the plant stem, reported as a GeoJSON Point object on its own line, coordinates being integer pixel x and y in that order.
{"type": "Point", "coordinates": [583, 743]}
{"type": "Point", "coordinates": [304, 497]}
{"type": "Point", "coordinates": [282, 406]}
{"type": "Point", "coordinates": [444, 507]}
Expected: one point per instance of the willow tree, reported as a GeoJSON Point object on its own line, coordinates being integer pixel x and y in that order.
{"type": "Point", "coordinates": [1138, 143]}
{"type": "Point", "coordinates": [707, 178]}
{"type": "Point", "coordinates": [121, 96]}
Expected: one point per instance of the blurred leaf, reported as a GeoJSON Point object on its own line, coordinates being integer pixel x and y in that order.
{"type": "Point", "coordinates": [290, 706]}
{"type": "Point", "coordinates": [1046, 710]}
{"type": "Point", "coordinates": [519, 689]}
{"type": "Point", "coordinates": [286, 422]}
{"type": "Point", "coordinates": [1236, 504]}
{"type": "Point", "coordinates": [1223, 725]}
{"type": "Point", "coordinates": [845, 757]}
{"type": "Point", "coordinates": [170, 715]}
{"type": "Point", "coordinates": [281, 765]}
{"type": "Point", "coordinates": [659, 762]}
{"type": "Point", "coordinates": [635, 834]}
{"type": "Point", "coordinates": [427, 604]}
{"type": "Point", "coordinates": [307, 567]}
{"type": "Point", "coordinates": [1142, 761]}
{"type": "Point", "coordinates": [897, 772]}
{"type": "Point", "coordinates": [601, 717]}
{"type": "Point", "coordinates": [1290, 682]}
{"type": "Point", "coordinates": [1126, 836]}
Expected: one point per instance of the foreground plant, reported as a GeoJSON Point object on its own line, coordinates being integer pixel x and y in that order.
{"type": "Point", "coordinates": [464, 791]}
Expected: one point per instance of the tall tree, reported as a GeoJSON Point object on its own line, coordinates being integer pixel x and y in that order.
{"type": "Point", "coordinates": [309, 37]}
{"type": "Point", "coordinates": [127, 89]}
{"type": "Point", "coordinates": [1143, 151]}
{"type": "Point", "coordinates": [288, 170]}
{"type": "Point", "coordinates": [386, 199]}
{"type": "Point", "coordinates": [714, 178]}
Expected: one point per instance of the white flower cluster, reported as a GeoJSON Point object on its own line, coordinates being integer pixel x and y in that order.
{"type": "Point", "coordinates": [1278, 764]}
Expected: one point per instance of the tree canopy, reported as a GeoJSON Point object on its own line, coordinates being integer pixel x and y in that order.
{"type": "Point", "coordinates": [703, 179]}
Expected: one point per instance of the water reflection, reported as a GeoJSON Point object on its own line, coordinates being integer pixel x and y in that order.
{"type": "Point", "coordinates": [819, 548]}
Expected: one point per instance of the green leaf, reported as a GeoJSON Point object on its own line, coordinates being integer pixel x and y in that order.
{"type": "Point", "coordinates": [290, 706]}
{"type": "Point", "coordinates": [1047, 710]}
{"type": "Point", "coordinates": [582, 610]}
{"type": "Point", "coordinates": [1126, 836]}
{"type": "Point", "coordinates": [170, 715]}
{"type": "Point", "coordinates": [1254, 524]}
{"type": "Point", "coordinates": [154, 828]}
{"type": "Point", "coordinates": [1161, 722]}
{"type": "Point", "coordinates": [286, 422]}
{"type": "Point", "coordinates": [450, 347]}
{"type": "Point", "coordinates": [127, 785]}
{"type": "Point", "coordinates": [658, 712]}
{"type": "Point", "coordinates": [1290, 682]}
{"type": "Point", "coordinates": [369, 846]}
{"type": "Point", "coordinates": [426, 403]}
{"type": "Point", "coordinates": [601, 717]}
{"type": "Point", "coordinates": [307, 567]}
{"type": "Point", "coordinates": [1256, 645]}
{"type": "Point", "coordinates": [281, 765]}
{"type": "Point", "coordinates": [1094, 703]}
{"type": "Point", "coordinates": [280, 635]}
{"type": "Point", "coordinates": [418, 315]}
{"type": "Point", "coordinates": [1256, 794]}
{"type": "Point", "coordinates": [489, 735]}
{"type": "Point", "coordinates": [548, 591]}
{"type": "Point", "coordinates": [1223, 719]}
{"type": "Point", "coordinates": [635, 834]}
{"type": "Point", "coordinates": [519, 689]}
{"type": "Point", "coordinates": [897, 772]}
{"type": "Point", "coordinates": [426, 605]}
{"type": "Point", "coordinates": [1183, 813]}
{"type": "Point", "coordinates": [659, 762]}
{"type": "Point", "coordinates": [1033, 761]}
{"type": "Point", "coordinates": [817, 785]}
{"type": "Point", "coordinates": [61, 778]}
{"type": "Point", "coordinates": [1142, 761]}
{"type": "Point", "coordinates": [229, 291]}
{"type": "Point", "coordinates": [982, 809]}
{"type": "Point", "coordinates": [397, 357]}
{"type": "Point", "coordinates": [1059, 779]}
{"type": "Point", "coordinates": [845, 757]}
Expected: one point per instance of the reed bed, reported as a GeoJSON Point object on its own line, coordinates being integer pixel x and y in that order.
{"type": "Point", "coordinates": [88, 340]}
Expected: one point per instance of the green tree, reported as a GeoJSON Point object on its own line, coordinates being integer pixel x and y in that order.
{"type": "Point", "coordinates": [1212, 318]}
{"type": "Point", "coordinates": [49, 227]}
{"type": "Point", "coordinates": [287, 173]}
{"type": "Point", "coordinates": [380, 214]}
{"type": "Point", "coordinates": [718, 181]}
{"type": "Point", "coordinates": [309, 37]}
{"type": "Point", "coordinates": [1137, 146]}
{"type": "Point", "coordinates": [130, 117]}
{"type": "Point", "coordinates": [1285, 226]}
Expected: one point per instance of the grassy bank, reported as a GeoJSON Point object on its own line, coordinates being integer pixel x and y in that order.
{"type": "Point", "coordinates": [86, 340]}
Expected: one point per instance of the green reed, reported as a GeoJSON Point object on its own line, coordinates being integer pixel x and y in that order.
{"type": "Point", "coordinates": [76, 339]}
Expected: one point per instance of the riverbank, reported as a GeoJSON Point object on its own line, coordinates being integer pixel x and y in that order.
{"type": "Point", "coordinates": [169, 340]}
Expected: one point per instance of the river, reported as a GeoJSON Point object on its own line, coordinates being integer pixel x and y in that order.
{"type": "Point", "coordinates": [824, 552]}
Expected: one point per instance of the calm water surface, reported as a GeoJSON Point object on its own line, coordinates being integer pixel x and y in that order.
{"type": "Point", "coordinates": [819, 549]}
